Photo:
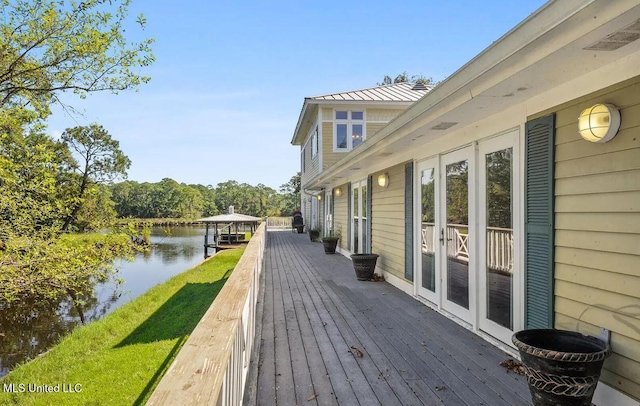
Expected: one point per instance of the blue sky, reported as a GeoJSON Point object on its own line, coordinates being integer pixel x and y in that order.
{"type": "Point", "coordinates": [230, 77]}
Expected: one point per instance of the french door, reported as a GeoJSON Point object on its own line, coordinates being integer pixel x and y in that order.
{"type": "Point", "coordinates": [457, 233]}
{"type": "Point", "coordinates": [499, 279]}
{"type": "Point", "coordinates": [358, 217]}
{"type": "Point", "coordinates": [446, 232]}
{"type": "Point", "coordinates": [467, 203]}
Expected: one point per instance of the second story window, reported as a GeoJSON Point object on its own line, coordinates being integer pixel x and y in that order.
{"type": "Point", "coordinates": [303, 162]}
{"type": "Point", "coordinates": [348, 130]}
{"type": "Point", "coordinates": [314, 143]}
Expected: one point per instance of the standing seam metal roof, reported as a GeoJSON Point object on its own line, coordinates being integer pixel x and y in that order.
{"type": "Point", "coordinates": [397, 92]}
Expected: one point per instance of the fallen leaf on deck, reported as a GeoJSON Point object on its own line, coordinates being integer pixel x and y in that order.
{"type": "Point", "coordinates": [312, 397]}
{"type": "Point", "coordinates": [439, 388]}
{"type": "Point", "coordinates": [357, 352]}
{"type": "Point", "coordinates": [513, 366]}
{"type": "Point", "coordinates": [377, 278]}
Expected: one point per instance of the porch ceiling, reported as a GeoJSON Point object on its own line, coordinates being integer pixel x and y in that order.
{"type": "Point", "coordinates": [542, 53]}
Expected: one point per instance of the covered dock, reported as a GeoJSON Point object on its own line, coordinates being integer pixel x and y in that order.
{"type": "Point", "coordinates": [226, 230]}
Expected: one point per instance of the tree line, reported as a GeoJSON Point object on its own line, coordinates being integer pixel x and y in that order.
{"type": "Point", "coordinates": [170, 199]}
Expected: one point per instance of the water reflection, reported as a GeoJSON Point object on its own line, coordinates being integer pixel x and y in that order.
{"type": "Point", "coordinates": [28, 329]}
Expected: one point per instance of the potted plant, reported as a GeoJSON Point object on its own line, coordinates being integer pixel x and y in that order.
{"type": "Point", "coordinates": [364, 265]}
{"type": "Point", "coordinates": [330, 242]}
{"type": "Point", "coordinates": [562, 367]}
{"type": "Point", "coordinates": [314, 234]}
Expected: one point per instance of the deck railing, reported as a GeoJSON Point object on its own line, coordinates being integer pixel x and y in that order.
{"type": "Point", "coordinates": [499, 244]}
{"type": "Point", "coordinates": [212, 366]}
{"type": "Point", "coordinates": [275, 223]}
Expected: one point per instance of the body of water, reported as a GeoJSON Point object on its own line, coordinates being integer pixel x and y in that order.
{"type": "Point", "coordinates": [27, 330]}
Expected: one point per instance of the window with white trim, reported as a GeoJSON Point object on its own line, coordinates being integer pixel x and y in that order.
{"type": "Point", "coordinates": [314, 143]}
{"type": "Point", "coordinates": [348, 129]}
{"type": "Point", "coordinates": [302, 160]}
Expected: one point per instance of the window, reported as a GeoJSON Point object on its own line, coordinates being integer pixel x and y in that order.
{"type": "Point", "coordinates": [302, 162]}
{"type": "Point", "coordinates": [314, 143]}
{"type": "Point", "coordinates": [348, 130]}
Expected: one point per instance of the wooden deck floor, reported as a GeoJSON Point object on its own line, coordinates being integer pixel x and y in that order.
{"type": "Point", "coordinates": [318, 319]}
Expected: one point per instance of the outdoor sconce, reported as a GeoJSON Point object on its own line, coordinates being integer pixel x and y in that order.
{"type": "Point", "coordinates": [383, 180]}
{"type": "Point", "coordinates": [599, 123]}
{"type": "Point", "coordinates": [320, 197]}
{"type": "Point", "coordinates": [338, 192]}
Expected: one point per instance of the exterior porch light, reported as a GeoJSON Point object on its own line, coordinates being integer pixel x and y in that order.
{"type": "Point", "coordinates": [383, 180]}
{"type": "Point", "coordinates": [338, 192]}
{"type": "Point", "coordinates": [320, 196]}
{"type": "Point", "coordinates": [599, 123]}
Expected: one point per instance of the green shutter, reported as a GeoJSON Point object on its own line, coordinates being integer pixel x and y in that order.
{"type": "Point", "coordinates": [349, 218]}
{"type": "Point", "coordinates": [408, 221]}
{"type": "Point", "coordinates": [367, 247]}
{"type": "Point", "coordinates": [538, 217]}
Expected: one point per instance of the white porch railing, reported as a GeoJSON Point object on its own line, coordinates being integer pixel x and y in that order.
{"type": "Point", "coordinates": [212, 366]}
{"type": "Point", "coordinates": [499, 244]}
{"type": "Point", "coordinates": [278, 223]}
{"type": "Point", "coordinates": [500, 249]}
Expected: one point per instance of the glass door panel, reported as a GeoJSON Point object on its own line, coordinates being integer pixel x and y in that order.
{"type": "Point", "coordinates": [499, 258]}
{"type": "Point", "coordinates": [356, 223]}
{"type": "Point", "coordinates": [499, 295]}
{"type": "Point", "coordinates": [428, 229]}
{"type": "Point", "coordinates": [363, 218]}
{"type": "Point", "coordinates": [359, 214]}
{"type": "Point", "coordinates": [457, 232]}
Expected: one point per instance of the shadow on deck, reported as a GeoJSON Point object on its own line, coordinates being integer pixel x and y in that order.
{"type": "Point", "coordinates": [329, 339]}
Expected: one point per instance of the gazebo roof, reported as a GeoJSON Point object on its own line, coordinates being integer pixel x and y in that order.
{"type": "Point", "coordinates": [230, 217]}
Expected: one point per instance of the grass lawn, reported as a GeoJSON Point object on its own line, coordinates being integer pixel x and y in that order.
{"type": "Point", "coordinates": [120, 359]}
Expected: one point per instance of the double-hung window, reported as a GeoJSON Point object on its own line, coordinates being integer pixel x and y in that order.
{"type": "Point", "coordinates": [348, 130]}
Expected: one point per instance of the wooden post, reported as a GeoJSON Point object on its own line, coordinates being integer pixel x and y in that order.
{"type": "Point", "coordinates": [206, 240]}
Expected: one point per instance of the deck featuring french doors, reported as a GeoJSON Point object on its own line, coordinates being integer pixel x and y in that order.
{"type": "Point", "coordinates": [328, 339]}
{"type": "Point", "coordinates": [467, 215]}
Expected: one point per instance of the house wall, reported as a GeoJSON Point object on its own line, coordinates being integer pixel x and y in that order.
{"type": "Point", "coordinates": [597, 232]}
{"type": "Point", "coordinates": [340, 216]}
{"type": "Point", "coordinates": [387, 216]}
{"type": "Point", "coordinates": [312, 166]}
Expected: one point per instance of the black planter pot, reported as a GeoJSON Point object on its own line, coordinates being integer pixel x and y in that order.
{"type": "Point", "coordinates": [330, 245]}
{"type": "Point", "coordinates": [364, 265]}
{"type": "Point", "coordinates": [562, 367]}
{"type": "Point", "coordinates": [314, 235]}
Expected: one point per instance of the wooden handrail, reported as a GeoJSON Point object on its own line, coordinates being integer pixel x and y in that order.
{"type": "Point", "coordinates": [212, 366]}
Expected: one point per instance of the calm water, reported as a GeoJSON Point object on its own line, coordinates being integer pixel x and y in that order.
{"type": "Point", "coordinates": [27, 330]}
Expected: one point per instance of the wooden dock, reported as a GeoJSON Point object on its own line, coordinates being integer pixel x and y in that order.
{"type": "Point", "coordinates": [327, 339]}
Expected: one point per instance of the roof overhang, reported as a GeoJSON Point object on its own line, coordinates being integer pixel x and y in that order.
{"type": "Point", "coordinates": [545, 51]}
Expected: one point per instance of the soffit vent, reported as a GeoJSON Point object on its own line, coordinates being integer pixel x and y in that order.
{"type": "Point", "coordinates": [443, 125]}
{"type": "Point", "coordinates": [617, 39]}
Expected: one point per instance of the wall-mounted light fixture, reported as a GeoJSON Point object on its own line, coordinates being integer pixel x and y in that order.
{"type": "Point", "coordinates": [320, 196]}
{"type": "Point", "coordinates": [338, 192]}
{"type": "Point", "coordinates": [383, 180]}
{"type": "Point", "coordinates": [599, 123]}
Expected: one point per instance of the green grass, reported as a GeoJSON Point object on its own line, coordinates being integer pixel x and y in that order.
{"type": "Point", "coordinates": [120, 359]}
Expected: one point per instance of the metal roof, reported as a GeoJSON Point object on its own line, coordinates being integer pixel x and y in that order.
{"type": "Point", "coordinates": [397, 92]}
{"type": "Point", "coordinates": [229, 218]}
